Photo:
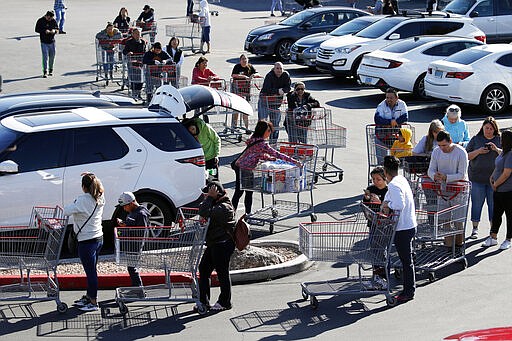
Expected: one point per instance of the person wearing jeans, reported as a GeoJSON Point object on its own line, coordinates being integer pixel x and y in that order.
{"type": "Point", "coordinates": [60, 12]}
{"type": "Point", "coordinates": [47, 28]}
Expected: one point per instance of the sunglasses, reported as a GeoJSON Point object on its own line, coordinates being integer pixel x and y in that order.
{"type": "Point", "coordinates": [300, 89]}
{"type": "Point", "coordinates": [453, 110]}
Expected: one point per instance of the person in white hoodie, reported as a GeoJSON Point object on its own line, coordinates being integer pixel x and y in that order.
{"type": "Point", "coordinates": [87, 211]}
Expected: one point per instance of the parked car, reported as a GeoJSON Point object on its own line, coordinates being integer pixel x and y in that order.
{"type": "Point", "coordinates": [278, 38]}
{"type": "Point", "coordinates": [27, 102]}
{"type": "Point", "coordinates": [341, 56]}
{"type": "Point", "coordinates": [146, 151]}
{"type": "Point", "coordinates": [494, 17]}
{"type": "Point", "coordinates": [481, 75]}
{"type": "Point", "coordinates": [303, 51]}
{"type": "Point", "coordinates": [403, 65]}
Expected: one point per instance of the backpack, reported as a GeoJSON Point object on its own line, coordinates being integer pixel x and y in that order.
{"type": "Point", "coordinates": [241, 234]}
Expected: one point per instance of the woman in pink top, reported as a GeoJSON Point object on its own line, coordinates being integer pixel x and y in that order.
{"type": "Point", "coordinates": [201, 74]}
{"type": "Point", "coordinates": [258, 150]}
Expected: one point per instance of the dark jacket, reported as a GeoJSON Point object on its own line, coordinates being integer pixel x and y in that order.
{"type": "Point", "coordinates": [138, 217]}
{"type": "Point", "coordinates": [222, 218]}
{"type": "Point", "coordinates": [307, 99]}
{"type": "Point", "coordinates": [123, 24]}
{"type": "Point", "coordinates": [272, 84]}
{"type": "Point", "coordinates": [134, 46]}
{"type": "Point", "coordinates": [150, 57]}
{"type": "Point", "coordinates": [42, 25]}
{"type": "Point", "coordinates": [147, 16]}
{"type": "Point", "coordinates": [177, 56]}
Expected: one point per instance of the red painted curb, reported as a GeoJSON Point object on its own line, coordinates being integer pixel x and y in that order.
{"type": "Point", "coordinates": [106, 281]}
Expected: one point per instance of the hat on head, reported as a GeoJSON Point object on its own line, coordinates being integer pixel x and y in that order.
{"type": "Point", "coordinates": [219, 186]}
{"type": "Point", "coordinates": [50, 14]}
{"type": "Point", "coordinates": [146, 7]}
{"type": "Point", "coordinates": [125, 199]}
{"type": "Point", "coordinates": [157, 45]}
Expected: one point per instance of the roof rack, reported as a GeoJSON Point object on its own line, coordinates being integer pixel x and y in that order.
{"type": "Point", "coordinates": [413, 13]}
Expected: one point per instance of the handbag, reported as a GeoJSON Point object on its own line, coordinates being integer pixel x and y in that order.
{"type": "Point", "coordinates": [233, 164]}
{"type": "Point", "coordinates": [73, 237]}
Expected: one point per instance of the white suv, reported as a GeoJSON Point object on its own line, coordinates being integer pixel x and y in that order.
{"type": "Point", "coordinates": [146, 151]}
{"type": "Point", "coordinates": [341, 56]}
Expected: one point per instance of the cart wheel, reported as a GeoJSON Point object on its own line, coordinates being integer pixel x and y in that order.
{"type": "Point", "coordinates": [324, 168]}
{"type": "Point", "coordinates": [201, 309]}
{"type": "Point", "coordinates": [340, 177]}
{"type": "Point", "coordinates": [239, 138]}
{"type": "Point", "coordinates": [62, 307]}
{"type": "Point", "coordinates": [313, 217]}
{"type": "Point", "coordinates": [313, 302]}
{"type": "Point", "coordinates": [275, 213]}
{"type": "Point", "coordinates": [397, 273]}
{"type": "Point", "coordinates": [431, 277]}
{"type": "Point", "coordinates": [271, 228]}
{"type": "Point", "coordinates": [305, 295]}
{"type": "Point", "coordinates": [391, 301]}
{"type": "Point", "coordinates": [96, 78]}
{"type": "Point", "coordinates": [315, 179]}
{"type": "Point", "coordinates": [123, 309]}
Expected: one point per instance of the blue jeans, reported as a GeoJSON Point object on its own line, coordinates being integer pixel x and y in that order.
{"type": "Point", "coordinates": [60, 17]}
{"type": "Point", "coordinates": [48, 51]}
{"type": "Point", "coordinates": [479, 193]}
{"type": "Point", "coordinates": [88, 251]}
{"type": "Point", "coordinates": [108, 61]}
{"type": "Point", "coordinates": [190, 7]}
{"type": "Point", "coordinates": [277, 3]}
{"type": "Point", "coordinates": [403, 245]}
{"type": "Point", "coordinates": [268, 110]}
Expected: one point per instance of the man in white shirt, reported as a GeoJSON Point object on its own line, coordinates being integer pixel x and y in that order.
{"type": "Point", "coordinates": [204, 16]}
{"type": "Point", "coordinates": [399, 198]}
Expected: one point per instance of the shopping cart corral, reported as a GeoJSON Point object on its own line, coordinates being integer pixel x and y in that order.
{"type": "Point", "coordinates": [359, 242]}
{"type": "Point", "coordinates": [34, 247]}
{"type": "Point", "coordinates": [175, 248]}
{"type": "Point", "coordinates": [272, 178]}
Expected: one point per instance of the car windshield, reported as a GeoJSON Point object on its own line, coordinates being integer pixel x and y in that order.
{"type": "Point", "coordinates": [467, 57]}
{"type": "Point", "coordinates": [297, 18]}
{"type": "Point", "coordinates": [7, 138]}
{"type": "Point", "coordinates": [459, 6]}
{"type": "Point", "coordinates": [350, 27]}
{"type": "Point", "coordinates": [379, 28]}
{"type": "Point", "coordinates": [404, 46]}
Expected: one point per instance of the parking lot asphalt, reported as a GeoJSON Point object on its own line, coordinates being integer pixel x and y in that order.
{"type": "Point", "coordinates": [459, 300]}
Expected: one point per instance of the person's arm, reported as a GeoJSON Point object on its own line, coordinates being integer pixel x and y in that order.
{"type": "Point", "coordinates": [419, 149]}
{"type": "Point", "coordinates": [214, 137]}
{"type": "Point", "coordinates": [142, 219]}
{"type": "Point", "coordinates": [313, 102]}
{"type": "Point", "coordinates": [148, 58]}
{"type": "Point", "coordinates": [462, 168]}
{"type": "Point", "coordinates": [267, 149]}
{"type": "Point", "coordinates": [211, 75]}
{"type": "Point", "coordinates": [502, 178]}
{"type": "Point", "coordinates": [287, 86]}
{"type": "Point", "coordinates": [395, 198]}
{"type": "Point", "coordinates": [139, 19]}
{"type": "Point", "coordinates": [197, 78]}
{"type": "Point", "coordinates": [405, 114]}
{"type": "Point", "coordinates": [472, 151]}
{"type": "Point", "coordinates": [379, 119]}
{"type": "Point", "coordinates": [465, 138]}
{"type": "Point", "coordinates": [205, 207]}
{"type": "Point", "coordinates": [290, 99]}
{"type": "Point", "coordinates": [432, 167]}
{"type": "Point", "coordinates": [180, 62]}
{"type": "Point", "coordinates": [74, 207]}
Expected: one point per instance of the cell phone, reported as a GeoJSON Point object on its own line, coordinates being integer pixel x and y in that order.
{"type": "Point", "coordinates": [366, 192]}
{"type": "Point", "coordinates": [488, 146]}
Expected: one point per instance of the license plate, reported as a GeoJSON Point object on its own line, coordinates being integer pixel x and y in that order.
{"type": "Point", "coordinates": [369, 80]}
{"type": "Point", "coordinates": [438, 74]}
{"type": "Point", "coordinates": [293, 56]}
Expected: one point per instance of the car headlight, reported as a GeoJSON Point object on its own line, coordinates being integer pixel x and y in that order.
{"type": "Point", "coordinates": [311, 50]}
{"type": "Point", "coordinates": [347, 49]}
{"type": "Point", "coordinates": [266, 36]}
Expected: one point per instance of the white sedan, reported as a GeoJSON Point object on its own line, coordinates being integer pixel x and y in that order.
{"type": "Point", "coordinates": [403, 65]}
{"type": "Point", "coordinates": [481, 75]}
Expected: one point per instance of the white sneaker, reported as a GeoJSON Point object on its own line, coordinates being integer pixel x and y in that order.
{"type": "Point", "coordinates": [490, 242]}
{"type": "Point", "coordinates": [505, 245]}
{"type": "Point", "coordinates": [474, 233]}
{"type": "Point", "coordinates": [89, 307]}
{"type": "Point", "coordinates": [380, 283]}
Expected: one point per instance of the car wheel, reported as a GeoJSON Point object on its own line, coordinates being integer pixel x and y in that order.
{"type": "Point", "coordinates": [419, 87]}
{"type": "Point", "coordinates": [495, 99]}
{"type": "Point", "coordinates": [161, 212]}
{"type": "Point", "coordinates": [355, 66]}
{"type": "Point", "coordinates": [283, 50]}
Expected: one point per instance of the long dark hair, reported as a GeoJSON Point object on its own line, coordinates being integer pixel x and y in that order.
{"type": "Point", "coordinates": [492, 121]}
{"type": "Point", "coordinates": [261, 127]}
{"type": "Point", "coordinates": [92, 185]}
{"type": "Point", "coordinates": [434, 125]}
{"type": "Point", "coordinates": [506, 141]}
{"type": "Point", "coordinates": [200, 60]}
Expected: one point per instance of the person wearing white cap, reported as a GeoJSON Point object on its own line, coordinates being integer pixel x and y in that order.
{"type": "Point", "coordinates": [138, 215]}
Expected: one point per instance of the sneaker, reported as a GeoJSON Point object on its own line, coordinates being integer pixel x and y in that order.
{"type": "Point", "coordinates": [402, 298]}
{"type": "Point", "coordinates": [272, 15]}
{"type": "Point", "coordinates": [62, 32]}
{"type": "Point", "coordinates": [50, 73]}
{"type": "Point", "coordinates": [44, 75]}
{"type": "Point", "coordinates": [474, 234]}
{"type": "Point", "coordinates": [505, 245]}
{"type": "Point", "coordinates": [490, 242]}
{"type": "Point", "coordinates": [218, 307]}
{"type": "Point", "coordinates": [89, 307]}
{"type": "Point", "coordinates": [82, 302]}
{"type": "Point", "coordinates": [379, 283]}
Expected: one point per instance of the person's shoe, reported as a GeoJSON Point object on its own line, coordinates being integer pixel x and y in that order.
{"type": "Point", "coordinates": [272, 15]}
{"type": "Point", "coordinates": [474, 233]}
{"type": "Point", "coordinates": [62, 32]}
{"type": "Point", "coordinates": [379, 283]}
{"type": "Point", "coordinates": [489, 242]}
{"type": "Point", "coordinates": [283, 14]}
{"type": "Point", "coordinates": [44, 74]}
{"type": "Point", "coordinates": [505, 245]}
{"type": "Point", "coordinates": [89, 307]}
{"type": "Point", "coordinates": [402, 298]}
{"type": "Point", "coordinates": [218, 307]}
{"type": "Point", "coordinates": [82, 302]}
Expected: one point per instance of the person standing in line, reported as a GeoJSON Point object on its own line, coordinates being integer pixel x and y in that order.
{"type": "Point", "coordinates": [387, 8]}
{"type": "Point", "coordinates": [352, 3]}
{"type": "Point", "coordinates": [431, 5]}
{"type": "Point", "coordinates": [87, 211]}
{"type": "Point", "coordinates": [134, 48]}
{"type": "Point", "coordinates": [455, 125]}
{"type": "Point", "coordinates": [60, 12]}
{"type": "Point", "coordinates": [399, 198]}
{"type": "Point", "coordinates": [190, 7]}
{"type": "Point", "coordinates": [501, 183]}
{"type": "Point", "coordinates": [204, 17]}
{"type": "Point", "coordinates": [108, 40]}
{"type": "Point", "coordinates": [276, 84]}
{"type": "Point", "coordinates": [122, 21]}
{"type": "Point", "coordinates": [47, 28]}
{"type": "Point", "coordinates": [220, 246]}
{"type": "Point", "coordinates": [242, 74]}
{"type": "Point", "coordinates": [428, 142]}
{"type": "Point", "coordinates": [279, 5]}
{"type": "Point", "coordinates": [299, 114]}
{"type": "Point", "coordinates": [376, 9]}
{"type": "Point", "coordinates": [138, 216]}
{"type": "Point", "coordinates": [176, 55]}
{"type": "Point", "coordinates": [482, 149]}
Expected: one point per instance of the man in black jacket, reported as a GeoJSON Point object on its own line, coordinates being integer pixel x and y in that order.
{"type": "Point", "coordinates": [47, 28]}
{"type": "Point", "coordinates": [134, 49]}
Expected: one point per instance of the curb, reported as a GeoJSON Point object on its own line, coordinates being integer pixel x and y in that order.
{"type": "Point", "coordinates": [112, 281]}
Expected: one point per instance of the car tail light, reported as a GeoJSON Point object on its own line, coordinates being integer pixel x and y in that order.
{"type": "Point", "coordinates": [393, 63]}
{"type": "Point", "coordinates": [429, 70]}
{"type": "Point", "coordinates": [481, 38]}
{"type": "Point", "coordinates": [198, 161]}
{"type": "Point", "coordinates": [458, 75]}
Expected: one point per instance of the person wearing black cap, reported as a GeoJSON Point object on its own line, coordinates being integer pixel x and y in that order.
{"type": "Point", "coordinates": [156, 55]}
{"type": "Point", "coordinates": [146, 16]}
{"type": "Point", "coordinates": [219, 245]}
{"type": "Point", "coordinates": [138, 216]}
{"type": "Point", "coordinates": [47, 28]}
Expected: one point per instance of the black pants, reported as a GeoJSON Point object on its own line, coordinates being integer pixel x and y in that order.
{"type": "Point", "coordinates": [403, 244]}
{"type": "Point", "coordinates": [190, 7]}
{"type": "Point", "coordinates": [216, 257]}
{"type": "Point", "coordinates": [238, 194]}
{"type": "Point", "coordinates": [502, 205]}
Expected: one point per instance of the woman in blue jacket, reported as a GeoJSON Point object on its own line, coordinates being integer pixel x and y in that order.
{"type": "Point", "coordinates": [456, 126]}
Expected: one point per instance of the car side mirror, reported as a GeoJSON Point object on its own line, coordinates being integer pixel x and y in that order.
{"type": "Point", "coordinates": [473, 14]}
{"type": "Point", "coordinates": [307, 26]}
{"type": "Point", "coordinates": [8, 167]}
{"type": "Point", "coordinates": [394, 36]}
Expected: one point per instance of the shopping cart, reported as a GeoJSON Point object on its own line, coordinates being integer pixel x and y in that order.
{"type": "Point", "coordinates": [415, 167]}
{"type": "Point", "coordinates": [133, 69]}
{"type": "Point", "coordinates": [34, 247]}
{"type": "Point", "coordinates": [158, 75]}
{"type": "Point", "coordinates": [250, 90]}
{"type": "Point", "coordinates": [358, 242]}
{"type": "Point", "coordinates": [109, 60]}
{"type": "Point", "coordinates": [176, 248]}
{"type": "Point", "coordinates": [380, 139]}
{"type": "Point", "coordinates": [188, 33]}
{"type": "Point", "coordinates": [149, 29]}
{"type": "Point", "coordinates": [441, 213]}
{"type": "Point", "coordinates": [284, 178]}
